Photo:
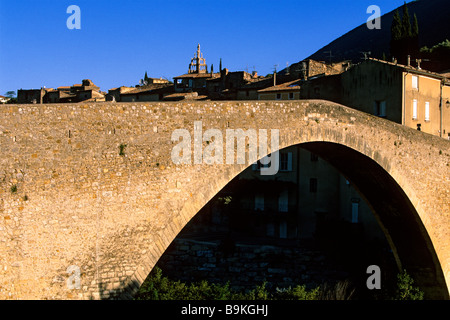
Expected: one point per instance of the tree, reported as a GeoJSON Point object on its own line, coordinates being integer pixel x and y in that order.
{"type": "Point", "coordinates": [146, 78]}
{"type": "Point", "coordinates": [406, 23]}
{"type": "Point", "coordinates": [10, 94]}
{"type": "Point", "coordinates": [415, 27]}
{"type": "Point", "coordinates": [396, 28]}
{"type": "Point", "coordinates": [220, 65]}
{"type": "Point", "coordinates": [404, 36]}
{"type": "Point", "coordinates": [396, 34]}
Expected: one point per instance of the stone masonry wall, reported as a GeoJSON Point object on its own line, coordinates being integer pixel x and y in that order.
{"type": "Point", "coordinates": [68, 198]}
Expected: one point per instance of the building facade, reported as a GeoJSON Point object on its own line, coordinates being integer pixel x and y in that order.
{"type": "Point", "coordinates": [304, 197]}
{"type": "Point", "coordinates": [404, 94]}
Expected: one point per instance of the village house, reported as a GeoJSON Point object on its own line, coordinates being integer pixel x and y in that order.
{"type": "Point", "coordinates": [286, 91]}
{"type": "Point", "coordinates": [195, 79]}
{"type": "Point", "coordinates": [308, 68]}
{"type": "Point", "coordinates": [4, 99]}
{"type": "Point", "coordinates": [156, 80]}
{"type": "Point", "coordinates": [86, 91]}
{"type": "Point", "coordinates": [27, 96]}
{"type": "Point", "coordinates": [114, 94]}
{"type": "Point", "coordinates": [404, 94]}
{"type": "Point", "coordinates": [226, 87]}
{"type": "Point", "coordinates": [151, 92]}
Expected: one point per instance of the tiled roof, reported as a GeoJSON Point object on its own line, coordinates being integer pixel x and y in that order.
{"type": "Point", "coordinates": [184, 95]}
{"type": "Point", "coordinates": [410, 68]}
{"type": "Point", "coordinates": [198, 75]}
{"type": "Point", "coordinates": [288, 86]}
{"type": "Point", "coordinates": [149, 88]}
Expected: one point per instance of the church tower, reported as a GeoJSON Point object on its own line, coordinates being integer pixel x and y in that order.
{"type": "Point", "coordinates": [198, 63]}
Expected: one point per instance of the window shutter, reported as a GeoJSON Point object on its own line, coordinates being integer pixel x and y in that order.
{"type": "Point", "coordinates": [414, 109]}
{"type": "Point", "coordinates": [427, 111]}
{"type": "Point", "coordinates": [259, 202]}
{"type": "Point", "coordinates": [383, 108]}
{"type": "Point", "coordinates": [283, 201]}
{"type": "Point", "coordinates": [289, 163]}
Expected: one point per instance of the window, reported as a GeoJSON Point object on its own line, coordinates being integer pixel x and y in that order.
{"type": "Point", "coordinates": [270, 231]}
{"type": "Point", "coordinates": [355, 211]}
{"type": "Point", "coordinates": [379, 108]}
{"type": "Point", "coordinates": [286, 161]}
{"type": "Point", "coordinates": [278, 96]}
{"type": "Point", "coordinates": [179, 81]}
{"type": "Point", "coordinates": [415, 82]}
{"type": "Point", "coordinates": [258, 165]}
{"type": "Point", "coordinates": [283, 230]}
{"type": "Point", "coordinates": [313, 185]}
{"type": "Point", "coordinates": [259, 202]}
{"type": "Point", "coordinates": [291, 95]}
{"type": "Point", "coordinates": [283, 201]}
{"type": "Point", "coordinates": [427, 111]}
{"type": "Point", "coordinates": [317, 92]}
{"type": "Point", "coordinates": [414, 109]}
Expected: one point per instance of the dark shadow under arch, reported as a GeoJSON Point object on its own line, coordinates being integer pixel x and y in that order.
{"type": "Point", "coordinates": [392, 207]}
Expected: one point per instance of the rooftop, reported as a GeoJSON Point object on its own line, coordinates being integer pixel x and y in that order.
{"type": "Point", "coordinates": [412, 69]}
{"type": "Point", "coordinates": [198, 75]}
{"type": "Point", "coordinates": [287, 86]}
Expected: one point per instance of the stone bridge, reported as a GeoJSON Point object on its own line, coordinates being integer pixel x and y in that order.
{"type": "Point", "coordinates": [72, 200]}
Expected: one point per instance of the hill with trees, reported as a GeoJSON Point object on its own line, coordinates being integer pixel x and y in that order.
{"type": "Point", "coordinates": [421, 29]}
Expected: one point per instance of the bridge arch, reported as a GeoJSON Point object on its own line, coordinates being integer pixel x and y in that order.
{"type": "Point", "coordinates": [115, 214]}
{"type": "Point", "coordinates": [398, 218]}
{"type": "Point", "coordinates": [375, 175]}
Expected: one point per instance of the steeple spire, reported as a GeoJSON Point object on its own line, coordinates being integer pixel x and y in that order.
{"type": "Point", "coordinates": [198, 63]}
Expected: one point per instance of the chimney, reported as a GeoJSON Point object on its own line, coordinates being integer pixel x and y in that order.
{"type": "Point", "coordinates": [274, 78]}
{"type": "Point", "coordinates": [409, 61]}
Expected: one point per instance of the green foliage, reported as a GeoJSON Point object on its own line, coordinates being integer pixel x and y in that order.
{"type": "Point", "coordinates": [396, 27]}
{"type": "Point", "coordinates": [158, 287]}
{"type": "Point", "coordinates": [298, 292]}
{"type": "Point", "coordinates": [10, 94]}
{"type": "Point", "coordinates": [444, 45]}
{"type": "Point", "coordinates": [406, 23]}
{"type": "Point", "coordinates": [404, 36]}
{"type": "Point", "coordinates": [13, 189]}
{"type": "Point", "coordinates": [405, 289]}
{"type": "Point", "coordinates": [224, 200]}
{"type": "Point", "coordinates": [415, 27]}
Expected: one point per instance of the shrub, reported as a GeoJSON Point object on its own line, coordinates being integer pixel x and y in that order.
{"type": "Point", "coordinates": [405, 289]}
{"type": "Point", "coordinates": [299, 292]}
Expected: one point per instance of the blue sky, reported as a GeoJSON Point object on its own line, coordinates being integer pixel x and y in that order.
{"type": "Point", "coordinates": [120, 40]}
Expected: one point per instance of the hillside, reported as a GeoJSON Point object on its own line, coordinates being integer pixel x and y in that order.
{"type": "Point", "coordinates": [434, 27]}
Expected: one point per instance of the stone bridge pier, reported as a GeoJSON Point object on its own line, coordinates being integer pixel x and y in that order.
{"type": "Point", "coordinates": [90, 197]}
